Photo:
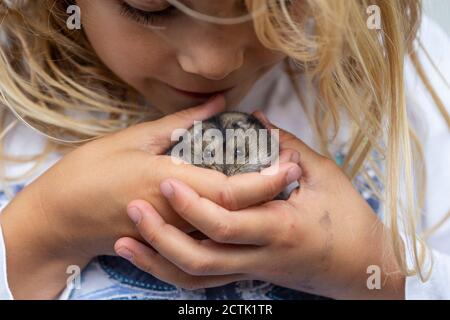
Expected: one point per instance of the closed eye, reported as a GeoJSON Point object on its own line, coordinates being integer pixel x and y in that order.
{"type": "Point", "coordinates": [146, 17]}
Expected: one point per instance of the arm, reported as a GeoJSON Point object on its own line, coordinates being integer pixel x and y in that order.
{"type": "Point", "coordinates": [5, 293]}
{"type": "Point", "coordinates": [33, 259]}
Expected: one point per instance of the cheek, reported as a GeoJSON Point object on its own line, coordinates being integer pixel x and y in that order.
{"type": "Point", "coordinates": [269, 58]}
{"type": "Point", "coordinates": [264, 55]}
{"type": "Point", "coordinates": [130, 51]}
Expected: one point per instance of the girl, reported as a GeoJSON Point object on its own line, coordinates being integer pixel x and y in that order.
{"type": "Point", "coordinates": [87, 115]}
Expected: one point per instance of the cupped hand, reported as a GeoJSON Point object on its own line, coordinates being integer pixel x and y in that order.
{"type": "Point", "coordinates": [322, 240]}
{"type": "Point", "coordinates": [82, 199]}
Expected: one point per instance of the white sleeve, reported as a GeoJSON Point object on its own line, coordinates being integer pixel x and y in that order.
{"type": "Point", "coordinates": [438, 285]}
{"type": "Point", "coordinates": [5, 293]}
{"type": "Point", "coordinates": [437, 157]}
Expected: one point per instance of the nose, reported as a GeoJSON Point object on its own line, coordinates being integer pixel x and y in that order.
{"type": "Point", "coordinates": [212, 57]}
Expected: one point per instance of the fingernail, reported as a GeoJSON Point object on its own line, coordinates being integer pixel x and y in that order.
{"type": "Point", "coordinates": [293, 175]}
{"type": "Point", "coordinates": [167, 189]}
{"type": "Point", "coordinates": [125, 253]}
{"type": "Point", "coordinates": [135, 214]}
{"type": "Point", "coordinates": [295, 157]}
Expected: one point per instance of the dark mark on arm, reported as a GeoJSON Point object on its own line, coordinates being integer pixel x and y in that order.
{"type": "Point", "coordinates": [327, 225]}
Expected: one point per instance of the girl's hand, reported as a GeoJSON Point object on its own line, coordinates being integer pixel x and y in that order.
{"type": "Point", "coordinates": [322, 240]}
{"type": "Point", "coordinates": [77, 209]}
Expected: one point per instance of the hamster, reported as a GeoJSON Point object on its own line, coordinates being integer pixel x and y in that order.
{"type": "Point", "coordinates": [250, 152]}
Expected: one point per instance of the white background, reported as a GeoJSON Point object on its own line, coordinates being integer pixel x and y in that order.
{"type": "Point", "coordinates": [439, 10]}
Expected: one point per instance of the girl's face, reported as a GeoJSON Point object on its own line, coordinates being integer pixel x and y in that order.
{"type": "Point", "coordinates": [174, 60]}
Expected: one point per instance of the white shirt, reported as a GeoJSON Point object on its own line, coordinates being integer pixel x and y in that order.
{"type": "Point", "coordinates": [102, 280]}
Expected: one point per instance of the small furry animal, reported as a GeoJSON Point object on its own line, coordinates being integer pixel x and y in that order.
{"type": "Point", "coordinates": [250, 151]}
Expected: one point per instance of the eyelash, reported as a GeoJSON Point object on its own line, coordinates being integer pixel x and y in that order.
{"type": "Point", "coordinates": [146, 17]}
{"type": "Point", "coordinates": [150, 17]}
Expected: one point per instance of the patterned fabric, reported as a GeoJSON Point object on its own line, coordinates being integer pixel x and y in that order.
{"type": "Point", "coordinates": [122, 281]}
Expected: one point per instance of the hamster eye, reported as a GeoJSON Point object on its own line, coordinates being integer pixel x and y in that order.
{"type": "Point", "coordinates": [239, 152]}
{"type": "Point", "coordinates": [210, 153]}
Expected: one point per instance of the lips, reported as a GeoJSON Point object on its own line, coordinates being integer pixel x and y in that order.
{"type": "Point", "coordinates": [199, 95]}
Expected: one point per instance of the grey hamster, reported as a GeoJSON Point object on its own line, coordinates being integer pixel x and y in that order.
{"type": "Point", "coordinates": [242, 147]}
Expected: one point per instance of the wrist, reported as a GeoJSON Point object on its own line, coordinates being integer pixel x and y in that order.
{"type": "Point", "coordinates": [374, 272]}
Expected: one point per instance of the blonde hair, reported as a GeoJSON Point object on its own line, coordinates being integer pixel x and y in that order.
{"type": "Point", "coordinates": [47, 71]}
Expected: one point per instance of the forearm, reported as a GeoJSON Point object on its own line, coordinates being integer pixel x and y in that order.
{"type": "Point", "coordinates": [36, 259]}
{"type": "Point", "coordinates": [375, 284]}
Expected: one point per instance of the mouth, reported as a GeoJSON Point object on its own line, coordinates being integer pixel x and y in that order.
{"type": "Point", "coordinates": [199, 94]}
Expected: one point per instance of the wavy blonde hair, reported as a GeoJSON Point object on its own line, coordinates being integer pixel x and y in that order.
{"type": "Point", "coordinates": [48, 73]}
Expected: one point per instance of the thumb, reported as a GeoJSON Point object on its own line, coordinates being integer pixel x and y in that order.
{"type": "Point", "coordinates": [161, 130]}
{"type": "Point", "coordinates": [184, 119]}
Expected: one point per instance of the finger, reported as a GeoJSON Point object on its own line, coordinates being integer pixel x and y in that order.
{"type": "Point", "coordinates": [150, 261]}
{"type": "Point", "coordinates": [242, 191]}
{"type": "Point", "coordinates": [159, 132]}
{"type": "Point", "coordinates": [289, 155]}
{"type": "Point", "coordinates": [235, 192]}
{"type": "Point", "coordinates": [287, 139]}
{"type": "Point", "coordinates": [308, 157]}
{"type": "Point", "coordinates": [253, 226]}
{"type": "Point", "coordinates": [196, 257]}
